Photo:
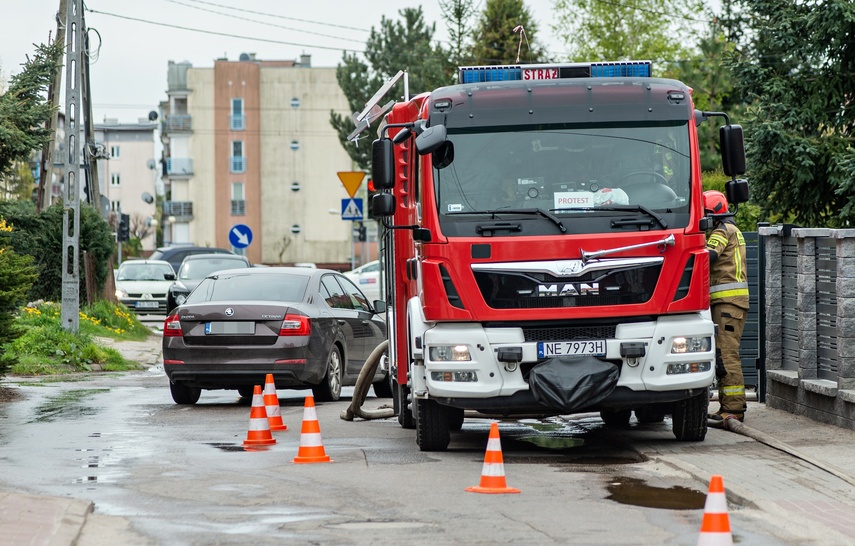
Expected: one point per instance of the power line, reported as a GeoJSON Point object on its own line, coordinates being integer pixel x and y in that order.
{"type": "Point", "coordinates": [279, 16]}
{"type": "Point", "coordinates": [215, 33]}
{"type": "Point", "coordinates": [262, 22]}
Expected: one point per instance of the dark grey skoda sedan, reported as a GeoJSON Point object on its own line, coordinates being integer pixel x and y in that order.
{"type": "Point", "coordinates": [310, 328]}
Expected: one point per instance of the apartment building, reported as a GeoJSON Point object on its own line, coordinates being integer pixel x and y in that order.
{"type": "Point", "coordinates": [128, 175]}
{"type": "Point", "coordinates": [248, 144]}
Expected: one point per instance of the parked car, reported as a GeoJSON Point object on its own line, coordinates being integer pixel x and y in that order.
{"type": "Point", "coordinates": [142, 285]}
{"type": "Point", "coordinates": [176, 254]}
{"type": "Point", "coordinates": [196, 267]}
{"type": "Point", "coordinates": [310, 328]}
{"type": "Point", "coordinates": [367, 277]}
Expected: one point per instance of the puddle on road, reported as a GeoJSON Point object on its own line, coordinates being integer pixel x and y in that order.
{"type": "Point", "coordinates": [237, 447]}
{"type": "Point", "coordinates": [635, 492]}
{"type": "Point", "coordinates": [66, 405]}
{"type": "Point", "coordinates": [553, 442]}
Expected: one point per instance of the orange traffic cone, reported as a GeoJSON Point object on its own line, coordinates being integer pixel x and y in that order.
{"type": "Point", "coordinates": [259, 428]}
{"type": "Point", "coordinates": [715, 527]}
{"type": "Point", "coordinates": [271, 404]}
{"type": "Point", "coordinates": [311, 445]}
{"type": "Point", "coordinates": [493, 473]}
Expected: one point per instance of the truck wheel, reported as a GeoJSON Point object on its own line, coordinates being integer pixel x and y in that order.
{"type": "Point", "coordinates": [616, 418]}
{"type": "Point", "coordinates": [432, 426]}
{"type": "Point", "coordinates": [400, 402]}
{"type": "Point", "coordinates": [184, 394]}
{"type": "Point", "coordinates": [246, 391]}
{"type": "Point", "coordinates": [690, 418]}
{"type": "Point", "coordinates": [649, 414]}
{"type": "Point", "coordinates": [455, 418]}
{"type": "Point", "coordinates": [383, 388]}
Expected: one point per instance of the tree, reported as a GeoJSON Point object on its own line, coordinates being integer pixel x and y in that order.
{"type": "Point", "coordinates": [141, 227]}
{"type": "Point", "coordinates": [457, 14]}
{"type": "Point", "coordinates": [18, 183]}
{"type": "Point", "coordinates": [397, 45]}
{"type": "Point", "coordinates": [498, 38]}
{"type": "Point", "coordinates": [796, 72]}
{"type": "Point", "coordinates": [597, 30]}
{"type": "Point", "coordinates": [24, 108]}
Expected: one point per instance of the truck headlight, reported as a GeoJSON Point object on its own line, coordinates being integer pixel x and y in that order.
{"type": "Point", "coordinates": [449, 353]}
{"type": "Point", "coordinates": [688, 367]}
{"type": "Point", "coordinates": [699, 344]}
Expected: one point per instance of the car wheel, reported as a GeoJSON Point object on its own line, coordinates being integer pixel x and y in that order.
{"type": "Point", "coordinates": [432, 430]}
{"type": "Point", "coordinates": [616, 418]}
{"type": "Point", "coordinates": [184, 394]}
{"type": "Point", "coordinates": [329, 389]}
{"type": "Point", "coordinates": [690, 418]}
{"type": "Point", "coordinates": [246, 391]}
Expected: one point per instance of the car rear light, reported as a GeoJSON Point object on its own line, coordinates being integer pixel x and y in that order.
{"type": "Point", "coordinates": [295, 325]}
{"type": "Point", "coordinates": [172, 327]}
{"type": "Point", "coordinates": [291, 361]}
{"type": "Point", "coordinates": [173, 362]}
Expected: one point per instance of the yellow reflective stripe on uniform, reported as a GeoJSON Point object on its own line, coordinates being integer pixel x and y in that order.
{"type": "Point", "coordinates": [737, 262]}
{"type": "Point", "coordinates": [716, 238]}
{"type": "Point", "coordinates": [728, 286]}
{"type": "Point", "coordinates": [729, 294]}
{"type": "Point", "coordinates": [733, 390]}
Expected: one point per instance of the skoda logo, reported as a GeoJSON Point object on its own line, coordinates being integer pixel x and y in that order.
{"type": "Point", "coordinates": [229, 311]}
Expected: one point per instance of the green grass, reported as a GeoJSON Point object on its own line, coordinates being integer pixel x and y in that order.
{"type": "Point", "coordinates": [45, 348]}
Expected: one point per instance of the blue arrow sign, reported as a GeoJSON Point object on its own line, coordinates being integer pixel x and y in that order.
{"type": "Point", "coordinates": [351, 209]}
{"type": "Point", "coordinates": [240, 236]}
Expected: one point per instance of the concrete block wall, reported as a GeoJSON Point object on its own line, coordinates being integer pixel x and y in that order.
{"type": "Point", "coordinates": [796, 386]}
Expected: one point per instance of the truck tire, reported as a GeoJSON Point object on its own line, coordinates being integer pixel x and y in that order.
{"type": "Point", "coordinates": [455, 419]}
{"type": "Point", "coordinates": [649, 414]}
{"type": "Point", "coordinates": [616, 418]}
{"type": "Point", "coordinates": [690, 418]}
{"type": "Point", "coordinates": [383, 388]}
{"type": "Point", "coordinates": [400, 394]}
{"type": "Point", "coordinates": [432, 432]}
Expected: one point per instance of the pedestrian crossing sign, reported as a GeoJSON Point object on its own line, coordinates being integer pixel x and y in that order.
{"type": "Point", "coordinates": [351, 209]}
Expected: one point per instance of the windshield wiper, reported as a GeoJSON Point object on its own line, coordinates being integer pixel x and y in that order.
{"type": "Point", "coordinates": [538, 211]}
{"type": "Point", "coordinates": [621, 208]}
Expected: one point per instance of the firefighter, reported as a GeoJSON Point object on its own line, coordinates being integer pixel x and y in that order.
{"type": "Point", "coordinates": [729, 307]}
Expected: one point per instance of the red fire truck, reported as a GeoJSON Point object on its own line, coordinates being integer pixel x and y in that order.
{"type": "Point", "coordinates": [544, 246]}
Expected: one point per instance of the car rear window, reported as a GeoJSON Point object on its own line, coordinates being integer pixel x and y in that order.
{"type": "Point", "coordinates": [286, 288]}
{"type": "Point", "coordinates": [199, 269]}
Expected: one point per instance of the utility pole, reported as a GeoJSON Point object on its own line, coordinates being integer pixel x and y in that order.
{"type": "Point", "coordinates": [71, 215]}
{"type": "Point", "coordinates": [91, 153]}
{"type": "Point", "coordinates": [45, 188]}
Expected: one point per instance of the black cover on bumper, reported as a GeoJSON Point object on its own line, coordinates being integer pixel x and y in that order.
{"type": "Point", "coordinates": [569, 384]}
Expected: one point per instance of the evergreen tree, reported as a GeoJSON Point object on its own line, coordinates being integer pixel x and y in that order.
{"type": "Point", "coordinates": [397, 45]}
{"type": "Point", "coordinates": [24, 109]}
{"type": "Point", "coordinates": [496, 41]}
{"type": "Point", "coordinates": [457, 15]}
{"type": "Point", "coordinates": [798, 74]}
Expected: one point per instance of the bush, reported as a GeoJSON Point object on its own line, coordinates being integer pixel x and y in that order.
{"type": "Point", "coordinates": [17, 276]}
{"type": "Point", "coordinates": [40, 236]}
{"type": "Point", "coordinates": [748, 214]}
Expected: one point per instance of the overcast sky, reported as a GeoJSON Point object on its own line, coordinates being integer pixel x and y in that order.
{"type": "Point", "coordinates": [128, 71]}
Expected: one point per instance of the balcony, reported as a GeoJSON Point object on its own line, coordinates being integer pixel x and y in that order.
{"type": "Point", "coordinates": [179, 167]}
{"type": "Point", "coordinates": [237, 164]}
{"type": "Point", "coordinates": [177, 123]}
{"type": "Point", "coordinates": [181, 210]}
{"type": "Point", "coordinates": [237, 122]}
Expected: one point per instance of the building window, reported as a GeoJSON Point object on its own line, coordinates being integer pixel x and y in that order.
{"type": "Point", "coordinates": [114, 152]}
{"type": "Point", "coordinates": [295, 102]}
{"type": "Point", "coordinates": [115, 180]}
{"type": "Point", "coordinates": [295, 186]}
{"type": "Point", "coordinates": [295, 145]}
{"type": "Point", "coordinates": [238, 161]}
{"type": "Point", "coordinates": [115, 206]}
{"type": "Point", "coordinates": [238, 199]}
{"type": "Point", "coordinates": [237, 121]}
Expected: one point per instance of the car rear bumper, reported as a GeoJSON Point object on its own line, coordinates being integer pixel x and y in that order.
{"type": "Point", "coordinates": [218, 377]}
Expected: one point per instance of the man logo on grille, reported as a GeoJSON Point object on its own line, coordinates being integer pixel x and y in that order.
{"type": "Point", "coordinates": [568, 289]}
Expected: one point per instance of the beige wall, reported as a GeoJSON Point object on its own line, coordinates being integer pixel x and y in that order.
{"type": "Point", "coordinates": [200, 188]}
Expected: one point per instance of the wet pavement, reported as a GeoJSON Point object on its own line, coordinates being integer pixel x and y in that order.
{"type": "Point", "coordinates": [814, 492]}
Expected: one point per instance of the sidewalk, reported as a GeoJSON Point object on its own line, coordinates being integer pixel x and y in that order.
{"type": "Point", "coordinates": [815, 493]}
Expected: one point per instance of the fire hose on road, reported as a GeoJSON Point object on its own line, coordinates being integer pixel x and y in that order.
{"type": "Point", "coordinates": [360, 391]}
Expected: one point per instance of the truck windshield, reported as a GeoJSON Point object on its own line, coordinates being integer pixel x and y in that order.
{"type": "Point", "coordinates": [569, 171]}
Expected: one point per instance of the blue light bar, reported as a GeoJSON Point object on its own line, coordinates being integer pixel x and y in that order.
{"type": "Point", "coordinates": [532, 72]}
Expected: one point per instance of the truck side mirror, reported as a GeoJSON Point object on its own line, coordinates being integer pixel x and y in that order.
{"type": "Point", "coordinates": [382, 164]}
{"type": "Point", "coordinates": [736, 191]}
{"type": "Point", "coordinates": [732, 150]}
{"type": "Point", "coordinates": [383, 205]}
{"type": "Point", "coordinates": [430, 139]}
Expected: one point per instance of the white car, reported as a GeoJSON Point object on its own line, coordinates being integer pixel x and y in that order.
{"type": "Point", "coordinates": [367, 278]}
{"type": "Point", "coordinates": [142, 285]}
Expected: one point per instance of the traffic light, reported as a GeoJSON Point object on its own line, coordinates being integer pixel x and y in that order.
{"type": "Point", "coordinates": [124, 233]}
{"type": "Point", "coordinates": [361, 234]}
{"type": "Point", "coordinates": [372, 191]}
